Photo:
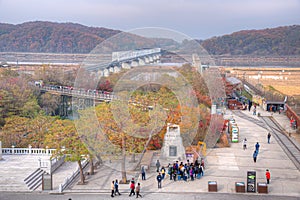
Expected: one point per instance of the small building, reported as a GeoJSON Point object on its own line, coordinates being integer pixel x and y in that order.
{"type": "Point", "coordinates": [274, 105]}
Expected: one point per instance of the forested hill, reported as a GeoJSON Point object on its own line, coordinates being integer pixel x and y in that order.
{"type": "Point", "coordinates": [276, 41]}
{"type": "Point", "coordinates": [75, 38]}
{"type": "Point", "coordinates": [51, 37]}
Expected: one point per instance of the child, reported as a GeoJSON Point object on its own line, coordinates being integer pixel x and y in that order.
{"type": "Point", "coordinates": [138, 189]}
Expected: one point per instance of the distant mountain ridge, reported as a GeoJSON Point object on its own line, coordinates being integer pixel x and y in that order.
{"type": "Point", "coordinates": [51, 37]}
{"type": "Point", "coordinates": [274, 41]}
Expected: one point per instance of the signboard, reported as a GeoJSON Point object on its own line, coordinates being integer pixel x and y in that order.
{"type": "Point", "coordinates": [235, 134]}
{"type": "Point", "coordinates": [47, 182]}
{"type": "Point", "coordinates": [190, 157]}
{"type": "Point", "coordinates": [251, 181]}
{"type": "Point", "coordinates": [172, 151]}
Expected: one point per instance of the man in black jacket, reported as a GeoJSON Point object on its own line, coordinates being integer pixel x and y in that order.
{"type": "Point", "coordinates": [159, 179]}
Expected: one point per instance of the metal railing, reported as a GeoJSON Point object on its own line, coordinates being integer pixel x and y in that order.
{"type": "Point", "coordinates": [57, 162]}
{"type": "Point", "coordinates": [25, 151]}
{"type": "Point", "coordinates": [71, 178]}
{"type": "Point", "coordinates": [91, 94]}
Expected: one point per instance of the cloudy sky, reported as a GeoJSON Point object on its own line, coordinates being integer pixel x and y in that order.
{"type": "Point", "coordinates": [197, 18]}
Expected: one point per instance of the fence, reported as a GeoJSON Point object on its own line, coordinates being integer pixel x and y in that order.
{"type": "Point", "coordinates": [290, 113]}
{"type": "Point", "coordinates": [48, 165]}
{"type": "Point", "coordinates": [29, 150]}
{"type": "Point", "coordinates": [57, 162]}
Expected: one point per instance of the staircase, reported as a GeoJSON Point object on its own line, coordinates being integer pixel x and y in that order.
{"type": "Point", "coordinates": [34, 180]}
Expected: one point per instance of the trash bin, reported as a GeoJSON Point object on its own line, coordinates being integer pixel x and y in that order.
{"type": "Point", "coordinates": [240, 187]}
{"type": "Point", "coordinates": [212, 186]}
{"type": "Point", "coordinates": [262, 188]}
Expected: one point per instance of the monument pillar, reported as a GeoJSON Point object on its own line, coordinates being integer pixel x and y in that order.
{"type": "Point", "coordinates": [173, 148]}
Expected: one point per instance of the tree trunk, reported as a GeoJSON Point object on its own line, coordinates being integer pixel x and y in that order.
{"type": "Point", "coordinates": [137, 167]}
{"type": "Point", "coordinates": [81, 172]}
{"type": "Point", "coordinates": [132, 160]}
{"type": "Point", "coordinates": [123, 167]}
{"type": "Point", "coordinates": [99, 159]}
{"type": "Point", "coordinates": [92, 170]}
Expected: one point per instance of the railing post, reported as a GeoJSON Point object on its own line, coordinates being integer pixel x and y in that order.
{"type": "Point", "coordinates": [47, 150]}
{"type": "Point", "coordinates": [13, 149]}
{"type": "Point", "coordinates": [60, 188]}
{"type": "Point", "coordinates": [29, 149]}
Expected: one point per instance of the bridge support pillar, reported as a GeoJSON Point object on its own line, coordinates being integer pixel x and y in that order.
{"type": "Point", "coordinates": [63, 108]}
{"type": "Point", "coordinates": [111, 69]}
{"type": "Point", "coordinates": [134, 64]}
{"type": "Point", "coordinates": [105, 72]}
{"type": "Point", "coordinates": [117, 69]}
{"type": "Point", "coordinates": [151, 59]}
{"type": "Point", "coordinates": [157, 58]}
{"type": "Point", "coordinates": [147, 60]}
{"type": "Point", "coordinates": [141, 61]}
{"type": "Point", "coordinates": [126, 65]}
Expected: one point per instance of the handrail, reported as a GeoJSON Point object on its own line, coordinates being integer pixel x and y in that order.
{"type": "Point", "coordinates": [74, 175]}
{"type": "Point", "coordinates": [93, 94]}
{"type": "Point", "coordinates": [25, 151]}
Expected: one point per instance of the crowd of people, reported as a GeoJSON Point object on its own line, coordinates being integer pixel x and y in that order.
{"type": "Point", "coordinates": [180, 171]}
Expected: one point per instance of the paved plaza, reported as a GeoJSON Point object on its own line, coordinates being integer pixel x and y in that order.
{"type": "Point", "coordinates": [224, 165]}
{"type": "Point", "coordinates": [14, 169]}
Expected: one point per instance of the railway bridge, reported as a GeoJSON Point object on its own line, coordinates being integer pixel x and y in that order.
{"type": "Point", "coordinates": [126, 60]}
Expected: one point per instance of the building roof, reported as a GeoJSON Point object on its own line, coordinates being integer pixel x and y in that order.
{"type": "Point", "coordinates": [233, 80]}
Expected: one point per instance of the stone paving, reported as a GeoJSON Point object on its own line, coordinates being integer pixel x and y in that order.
{"type": "Point", "coordinates": [224, 165]}
{"type": "Point", "coordinates": [64, 171]}
{"type": "Point", "coordinates": [14, 169]}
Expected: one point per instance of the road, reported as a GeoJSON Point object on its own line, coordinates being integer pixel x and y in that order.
{"type": "Point", "coordinates": [150, 196]}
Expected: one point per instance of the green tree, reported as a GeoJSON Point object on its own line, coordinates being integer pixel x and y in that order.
{"type": "Point", "coordinates": [64, 138]}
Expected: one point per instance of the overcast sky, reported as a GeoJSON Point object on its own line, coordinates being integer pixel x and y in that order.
{"type": "Point", "coordinates": [199, 19]}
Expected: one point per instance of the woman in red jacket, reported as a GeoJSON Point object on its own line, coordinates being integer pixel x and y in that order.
{"type": "Point", "coordinates": [132, 187]}
{"type": "Point", "coordinates": [268, 176]}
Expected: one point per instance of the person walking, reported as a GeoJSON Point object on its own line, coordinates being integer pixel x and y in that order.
{"type": "Point", "coordinates": [257, 147]}
{"type": "Point", "coordinates": [138, 189]}
{"type": "Point", "coordinates": [112, 186]}
{"type": "Point", "coordinates": [132, 187]}
{"type": "Point", "coordinates": [255, 156]}
{"type": "Point", "coordinates": [201, 170]}
{"type": "Point", "coordinates": [192, 173]}
{"type": "Point", "coordinates": [157, 165]}
{"type": "Point", "coordinates": [117, 188]}
{"type": "Point", "coordinates": [163, 173]}
{"type": "Point", "coordinates": [268, 176]}
{"type": "Point", "coordinates": [269, 137]}
{"type": "Point", "coordinates": [175, 174]}
{"type": "Point", "coordinates": [170, 171]}
{"type": "Point", "coordinates": [159, 179]}
{"type": "Point", "coordinates": [202, 163]}
{"type": "Point", "coordinates": [143, 173]}
{"type": "Point", "coordinates": [245, 143]}
{"type": "Point", "coordinates": [254, 110]}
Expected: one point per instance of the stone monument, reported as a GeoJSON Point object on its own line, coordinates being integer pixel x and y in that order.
{"type": "Point", "coordinates": [173, 148]}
